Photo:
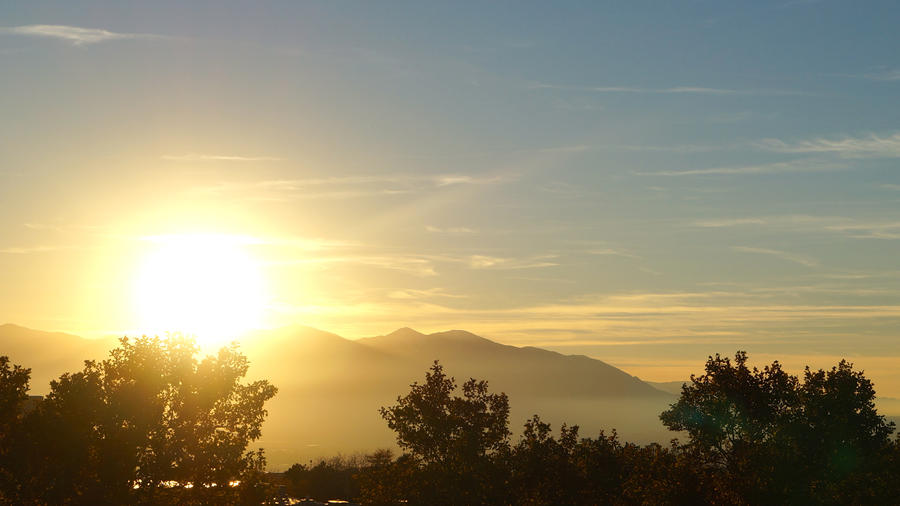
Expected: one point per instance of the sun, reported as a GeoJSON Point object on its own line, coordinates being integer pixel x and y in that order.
{"type": "Point", "coordinates": [208, 286]}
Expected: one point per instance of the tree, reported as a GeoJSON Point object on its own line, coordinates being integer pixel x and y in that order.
{"type": "Point", "coordinates": [777, 440]}
{"type": "Point", "coordinates": [13, 395]}
{"type": "Point", "coordinates": [453, 439]}
{"type": "Point", "coordinates": [144, 425]}
{"type": "Point", "coordinates": [385, 481]}
{"type": "Point", "coordinates": [439, 428]}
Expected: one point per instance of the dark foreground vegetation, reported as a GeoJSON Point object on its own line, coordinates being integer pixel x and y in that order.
{"type": "Point", "coordinates": [154, 425]}
{"type": "Point", "coordinates": [753, 437]}
{"type": "Point", "coordinates": [149, 425]}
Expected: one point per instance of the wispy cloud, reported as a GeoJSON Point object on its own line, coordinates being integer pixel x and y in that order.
{"type": "Point", "coordinates": [452, 179]}
{"type": "Point", "coordinates": [853, 228]}
{"type": "Point", "coordinates": [342, 187]}
{"type": "Point", "coordinates": [197, 157]}
{"type": "Point", "coordinates": [883, 75]}
{"type": "Point", "coordinates": [674, 90]}
{"type": "Point", "coordinates": [411, 294]}
{"type": "Point", "coordinates": [611, 252]}
{"type": "Point", "coordinates": [870, 146]}
{"type": "Point", "coordinates": [869, 230]}
{"type": "Point", "coordinates": [15, 250]}
{"type": "Point", "coordinates": [784, 255]}
{"type": "Point", "coordinates": [490, 262]}
{"type": "Point", "coordinates": [292, 242]}
{"type": "Point", "coordinates": [449, 230]}
{"type": "Point", "coordinates": [414, 265]}
{"type": "Point", "coordinates": [74, 35]}
{"type": "Point", "coordinates": [876, 74]}
{"type": "Point", "coordinates": [728, 222]}
{"type": "Point", "coordinates": [801, 165]}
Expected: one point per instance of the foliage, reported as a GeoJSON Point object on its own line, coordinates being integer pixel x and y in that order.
{"type": "Point", "coordinates": [774, 438]}
{"type": "Point", "coordinates": [439, 428]}
{"type": "Point", "coordinates": [328, 479]}
{"type": "Point", "coordinates": [125, 430]}
{"type": "Point", "coordinates": [452, 438]}
{"type": "Point", "coordinates": [754, 437]}
{"type": "Point", "coordinates": [13, 396]}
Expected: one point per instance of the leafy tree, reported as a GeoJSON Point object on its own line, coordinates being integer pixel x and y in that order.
{"type": "Point", "coordinates": [543, 468]}
{"type": "Point", "coordinates": [437, 427]}
{"type": "Point", "coordinates": [453, 439]}
{"type": "Point", "coordinates": [151, 416]}
{"type": "Point", "coordinates": [732, 406]}
{"type": "Point", "coordinates": [333, 478]}
{"type": "Point", "coordinates": [385, 481]}
{"type": "Point", "coordinates": [773, 439]}
{"type": "Point", "coordinates": [13, 396]}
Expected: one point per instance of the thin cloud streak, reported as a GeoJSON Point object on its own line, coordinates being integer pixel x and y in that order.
{"type": "Point", "coordinates": [674, 90]}
{"type": "Point", "coordinates": [196, 157]}
{"type": "Point", "coordinates": [855, 229]}
{"type": "Point", "coordinates": [792, 257]}
{"type": "Point", "coordinates": [871, 146]}
{"type": "Point", "coordinates": [802, 165]}
{"type": "Point", "coordinates": [74, 35]}
{"type": "Point", "coordinates": [344, 187]}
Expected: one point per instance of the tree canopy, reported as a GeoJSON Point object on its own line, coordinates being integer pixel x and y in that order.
{"type": "Point", "coordinates": [152, 421]}
{"type": "Point", "coordinates": [777, 438]}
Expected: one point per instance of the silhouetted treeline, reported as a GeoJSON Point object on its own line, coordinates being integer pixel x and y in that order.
{"type": "Point", "coordinates": [153, 425]}
{"type": "Point", "coordinates": [149, 425]}
{"type": "Point", "coordinates": [753, 437]}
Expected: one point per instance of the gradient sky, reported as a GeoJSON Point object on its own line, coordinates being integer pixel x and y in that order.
{"type": "Point", "coordinates": [642, 182]}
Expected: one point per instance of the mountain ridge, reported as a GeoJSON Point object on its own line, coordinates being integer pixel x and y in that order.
{"type": "Point", "coordinates": [331, 387]}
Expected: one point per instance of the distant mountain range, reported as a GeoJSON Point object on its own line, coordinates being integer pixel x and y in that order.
{"type": "Point", "coordinates": [330, 388]}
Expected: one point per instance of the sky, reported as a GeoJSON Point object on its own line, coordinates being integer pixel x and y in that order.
{"type": "Point", "coordinates": [647, 183]}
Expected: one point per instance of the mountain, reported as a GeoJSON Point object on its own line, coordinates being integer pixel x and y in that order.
{"type": "Point", "coordinates": [673, 387]}
{"type": "Point", "coordinates": [330, 388]}
{"type": "Point", "coordinates": [49, 354]}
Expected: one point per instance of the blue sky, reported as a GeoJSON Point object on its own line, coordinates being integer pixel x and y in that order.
{"type": "Point", "coordinates": [643, 182]}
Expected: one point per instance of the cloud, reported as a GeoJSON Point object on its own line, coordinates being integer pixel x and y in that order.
{"type": "Point", "coordinates": [800, 259]}
{"type": "Point", "coordinates": [884, 75]}
{"type": "Point", "coordinates": [802, 165]}
{"type": "Point", "coordinates": [73, 34]}
{"type": "Point", "coordinates": [344, 187]}
{"type": "Point", "coordinates": [410, 294]}
{"type": "Point", "coordinates": [674, 90]}
{"type": "Point", "coordinates": [611, 252]}
{"type": "Point", "coordinates": [869, 230]}
{"type": "Point", "coordinates": [871, 146]}
{"type": "Point", "coordinates": [31, 249]}
{"type": "Point", "coordinates": [415, 265]}
{"type": "Point", "coordinates": [195, 157]}
{"type": "Point", "coordinates": [293, 242]}
{"type": "Point", "coordinates": [853, 228]}
{"type": "Point", "coordinates": [452, 179]}
{"type": "Point", "coordinates": [449, 230]}
{"type": "Point", "coordinates": [732, 222]}
{"type": "Point", "coordinates": [489, 262]}
{"type": "Point", "coordinates": [876, 74]}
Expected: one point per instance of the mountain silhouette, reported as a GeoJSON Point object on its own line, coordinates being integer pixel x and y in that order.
{"type": "Point", "coordinates": [330, 388]}
{"type": "Point", "coordinates": [49, 354]}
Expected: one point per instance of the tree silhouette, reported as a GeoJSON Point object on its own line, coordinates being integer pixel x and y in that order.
{"type": "Point", "coordinates": [151, 423]}
{"type": "Point", "coordinates": [437, 427]}
{"type": "Point", "coordinates": [453, 439]}
{"type": "Point", "coordinates": [13, 395]}
{"type": "Point", "coordinates": [775, 439]}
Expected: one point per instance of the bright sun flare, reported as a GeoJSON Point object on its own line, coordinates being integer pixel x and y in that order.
{"type": "Point", "coordinates": [205, 285]}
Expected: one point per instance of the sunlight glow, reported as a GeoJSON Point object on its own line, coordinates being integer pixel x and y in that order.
{"type": "Point", "coordinates": [205, 285]}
